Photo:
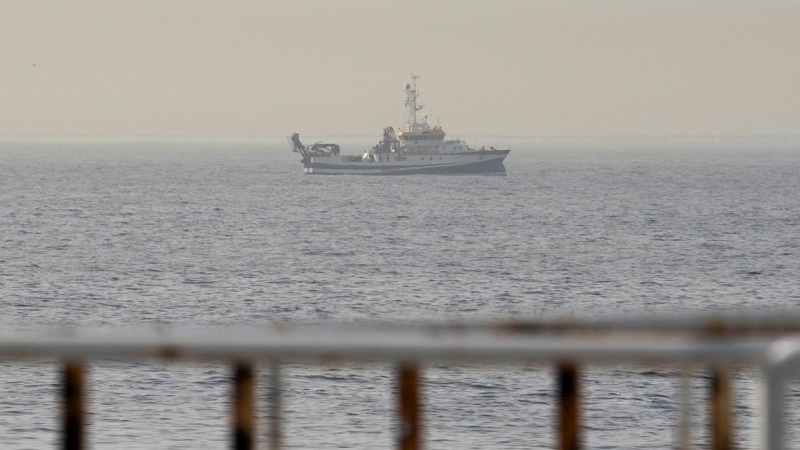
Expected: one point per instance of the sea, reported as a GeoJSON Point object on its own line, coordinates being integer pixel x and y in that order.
{"type": "Point", "coordinates": [153, 233]}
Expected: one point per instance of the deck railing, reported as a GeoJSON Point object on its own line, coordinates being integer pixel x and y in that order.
{"type": "Point", "coordinates": [770, 342]}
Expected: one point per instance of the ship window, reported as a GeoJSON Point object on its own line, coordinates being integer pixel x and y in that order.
{"type": "Point", "coordinates": [431, 158]}
{"type": "Point", "coordinates": [423, 158]}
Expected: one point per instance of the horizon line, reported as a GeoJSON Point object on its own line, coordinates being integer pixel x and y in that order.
{"type": "Point", "coordinates": [179, 137]}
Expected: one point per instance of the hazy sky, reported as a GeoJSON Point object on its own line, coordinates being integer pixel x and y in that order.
{"type": "Point", "coordinates": [268, 68]}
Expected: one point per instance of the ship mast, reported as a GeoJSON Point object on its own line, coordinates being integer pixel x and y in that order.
{"type": "Point", "coordinates": [411, 102]}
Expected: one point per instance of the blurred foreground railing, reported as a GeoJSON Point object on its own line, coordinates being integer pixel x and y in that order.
{"type": "Point", "coordinates": [718, 343]}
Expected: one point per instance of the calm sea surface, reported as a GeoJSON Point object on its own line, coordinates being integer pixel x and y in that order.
{"type": "Point", "coordinates": [138, 233]}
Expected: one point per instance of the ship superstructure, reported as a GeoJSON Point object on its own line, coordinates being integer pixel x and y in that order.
{"type": "Point", "coordinates": [417, 149]}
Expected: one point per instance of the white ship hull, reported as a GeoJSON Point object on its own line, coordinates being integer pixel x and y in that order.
{"type": "Point", "coordinates": [473, 162]}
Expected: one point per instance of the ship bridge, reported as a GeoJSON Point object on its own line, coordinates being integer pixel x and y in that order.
{"type": "Point", "coordinates": [435, 134]}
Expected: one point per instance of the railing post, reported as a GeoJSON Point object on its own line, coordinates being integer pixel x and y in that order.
{"type": "Point", "coordinates": [780, 359]}
{"type": "Point", "coordinates": [773, 408]}
{"type": "Point", "coordinates": [243, 407]}
{"type": "Point", "coordinates": [73, 406]}
{"type": "Point", "coordinates": [409, 408]}
{"type": "Point", "coordinates": [568, 407]}
{"type": "Point", "coordinates": [275, 433]}
{"type": "Point", "coordinates": [721, 408]}
{"type": "Point", "coordinates": [684, 434]}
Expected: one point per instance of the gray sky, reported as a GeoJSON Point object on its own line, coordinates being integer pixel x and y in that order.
{"type": "Point", "coordinates": [268, 68]}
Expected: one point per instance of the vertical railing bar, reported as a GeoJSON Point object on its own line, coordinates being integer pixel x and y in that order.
{"type": "Point", "coordinates": [774, 386]}
{"type": "Point", "coordinates": [409, 407]}
{"type": "Point", "coordinates": [684, 437]}
{"type": "Point", "coordinates": [568, 407]}
{"type": "Point", "coordinates": [721, 424]}
{"type": "Point", "coordinates": [73, 406]}
{"type": "Point", "coordinates": [243, 407]}
{"type": "Point", "coordinates": [275, 407]}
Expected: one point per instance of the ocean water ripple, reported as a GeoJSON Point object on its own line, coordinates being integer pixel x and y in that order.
{"type": "Point", "coordinates": [114, 234]}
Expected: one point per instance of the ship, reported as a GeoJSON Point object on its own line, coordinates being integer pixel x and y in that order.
{"type": "Point", "coordinates": [418, 148]}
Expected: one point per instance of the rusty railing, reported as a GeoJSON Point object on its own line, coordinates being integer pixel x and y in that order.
{"type": "Point", "coordinates": [718, 343]}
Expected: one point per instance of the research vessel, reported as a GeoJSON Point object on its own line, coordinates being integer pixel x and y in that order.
{"type": "Point", "coordinates": [418, 148]}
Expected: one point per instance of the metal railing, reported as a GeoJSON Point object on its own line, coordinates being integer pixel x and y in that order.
{"type": "Point", "coordinates": [765, 341]}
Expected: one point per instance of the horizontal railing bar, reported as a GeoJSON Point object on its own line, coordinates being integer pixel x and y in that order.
{"type": "Point", "coordinates": [732, 323]}
{"type": "Point", "coordinates": [391, 346]}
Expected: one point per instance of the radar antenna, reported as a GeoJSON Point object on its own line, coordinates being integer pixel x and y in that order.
{"type": "Point", "coordinates": [411, 101]}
